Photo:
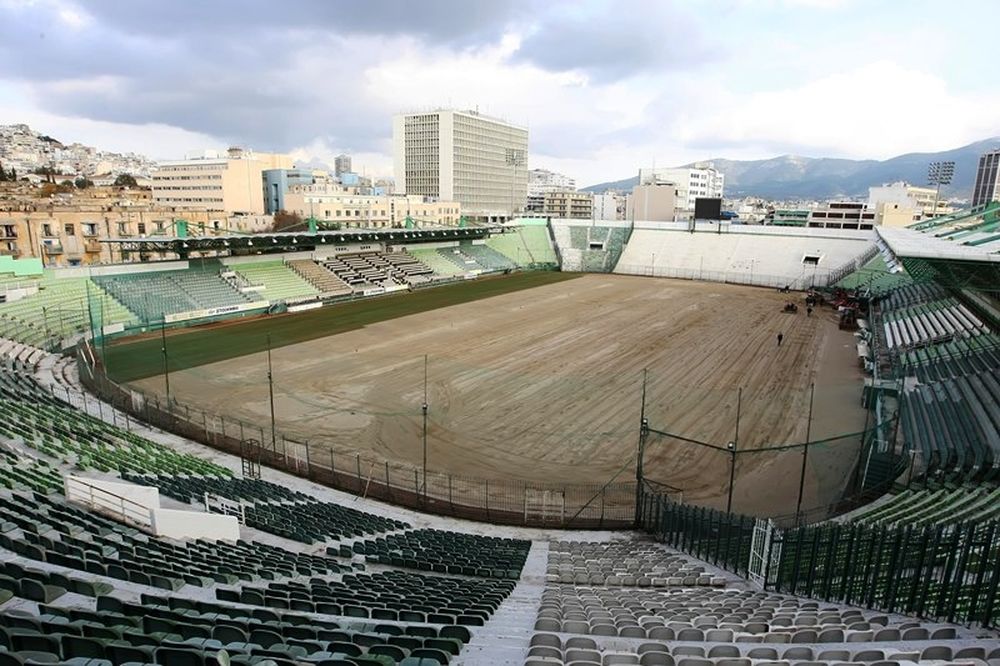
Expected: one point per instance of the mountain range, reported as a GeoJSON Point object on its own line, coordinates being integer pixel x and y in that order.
{"type": "Point", "coordinates": [796, 177]}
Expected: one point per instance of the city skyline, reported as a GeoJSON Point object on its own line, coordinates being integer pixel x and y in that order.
{"type": "Point", "coordinates": [603, 91]}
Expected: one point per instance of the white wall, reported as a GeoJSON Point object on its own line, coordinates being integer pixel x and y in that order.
{"type": "Point", "coordinates": [765, 256]}
{"type": "Point", "coordinates": [176, 524]}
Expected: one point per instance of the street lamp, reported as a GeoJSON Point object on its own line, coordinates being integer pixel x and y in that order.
{"type": "Point", "coordinates": [938, 174]}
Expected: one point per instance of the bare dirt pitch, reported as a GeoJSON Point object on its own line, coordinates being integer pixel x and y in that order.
{"type": "Point", "coordinates": [544, 385]}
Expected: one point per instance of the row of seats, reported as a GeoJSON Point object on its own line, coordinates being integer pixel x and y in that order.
{"type": "Point", "coordinates": [47, 529]}
{"type": "Point", "coordinates": [953, 358]}
{"type": "Point", "coordinates": [155, 631]}
{"type": "Point", "coordinates": [912, 294]}
{"type": "Point", "coordinates": [922, 324]}
{"type": "Point", "coordinates": [627, 563]}
{"type": "Point", "coordinates": [274, 508]}
{"type": "Point", "coordinates": [955, 424]}
{"type": "Point", "coordinates": [472, 258]}
{"type": "Point", "coordinates": [388, 595]}
{"type": "Point", "coordinates": [525, 245]}
{"type": "Point", "coordinates": [942, 506]}
{"type": "Point", "coordinates": [326, 283]}
{"type": "Point", "coordinates": [442, 551]}
{"type": "Point", "coordinates": [552, 650]}
{"type": "Point", "coordinates": [279, 282]}
{"type": "Point", "coordinates": [722, 616]}
{"type": "Point", "coordinates": [152, 295]}
{"type": "Point", "coordinates": [60, 308]}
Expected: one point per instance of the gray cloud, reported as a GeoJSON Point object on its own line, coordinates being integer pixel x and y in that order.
{"type": "Point", "coordinates": [277, 77]}
{"type": "Point", "coordinates": [617, 43]}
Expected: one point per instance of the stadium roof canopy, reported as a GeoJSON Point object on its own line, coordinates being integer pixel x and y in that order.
{"type": "Point", "coordinates": [303, 240]}
{"type": "Point", "coordinates": [959, 250]}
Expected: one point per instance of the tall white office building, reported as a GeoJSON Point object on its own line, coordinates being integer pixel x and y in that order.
{"type": "Point", "coordinates": [987, 187]}
{"type": "Point", "coordinates": [462, 156]}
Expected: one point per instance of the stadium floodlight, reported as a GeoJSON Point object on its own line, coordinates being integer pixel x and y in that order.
{"type": "Point", "coordinates": [514, 157]}
{"type": "Point", "coordinates": [938, 174]}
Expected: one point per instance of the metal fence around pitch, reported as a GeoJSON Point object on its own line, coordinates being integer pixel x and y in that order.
{"type": "Point", "coordinates": [807, 280]}
{"type": "Point", "coordinates": [502, 501]}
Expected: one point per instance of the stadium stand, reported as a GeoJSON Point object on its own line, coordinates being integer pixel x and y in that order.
{"type": "Point", "coordinates": [275, 509]}
{"type": "Point", "coordinates": [526, 244]}
{"type": "Point", "coordinates": [588, 247]}
{"type": "Point", "coordinates": [875, 277]}
{"type": "Point", "coordinates": [366, 271]}
{"type": "Point", "coordinates": [441, 265]}
{"type": "Point", "coordinates": [60, 308]}
{"type": "Point", "coordinates": [151, 295]}
{"type": "Point", "coordinates": [447, 552]}
{"type": "Point", "coordinates": [760, 255]}
{"type": "Point", "coordinates": [390, 595]}
{"type": "Point", "coordinates": [279, 281]}
{"type": "Point", "coordinates": [941, 506]}
{"type": "Point", "coordinates": [326, 283]}
{"type": "Point", "coordinates": [476, 258]}
{"type": "Point", "coordinates": [946, 358]}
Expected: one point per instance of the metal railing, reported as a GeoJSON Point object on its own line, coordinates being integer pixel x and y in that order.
{"type": "Point", "coordinates": [122, 509]}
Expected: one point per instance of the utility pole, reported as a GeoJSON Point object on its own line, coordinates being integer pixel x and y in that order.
{"type": "Point", "coordinates": [423, 408]}
{"type": "Point", "coordinates": [163, 348]}
{"type": "Point", "coordinates": [270, 391]}
{"type": "Point", "coordinates": [732, 452]}
{"type": "Point", "coordinates": [640, 454]}
{"type": "Point", "coordinates": [805, 453]}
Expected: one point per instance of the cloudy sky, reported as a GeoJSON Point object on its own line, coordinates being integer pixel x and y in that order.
{"type": "Point", "coordinates": [604, 86]}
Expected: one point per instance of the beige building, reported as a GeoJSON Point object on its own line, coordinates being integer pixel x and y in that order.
{"type": "Point", "coordinates": [655, 202]}
{"type": "Point", "coordinates": [231, 182]}
{"type": "Point", "coordinates": [344, 206]}
{"type": "Point", "coordinates": [66, 229]}
{"type": "Point", "coordinates": [568, 204]}
{"type": "Point", "coordinates": [463, 156]}
{"type": "Point", "coordinates": [893, 198]}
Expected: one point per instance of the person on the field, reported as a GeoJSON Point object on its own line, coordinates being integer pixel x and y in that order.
{"type": "Point", "coordinates": [780, 338]}
{"type": "Point", "coordinates": [809, 311]}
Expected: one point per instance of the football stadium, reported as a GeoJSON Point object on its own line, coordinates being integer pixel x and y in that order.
{"type": "Point", "coordinates": [543, 442]}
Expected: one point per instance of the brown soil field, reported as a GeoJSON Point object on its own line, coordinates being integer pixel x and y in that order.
{"type": "Point", "coordinates": [544, 386]}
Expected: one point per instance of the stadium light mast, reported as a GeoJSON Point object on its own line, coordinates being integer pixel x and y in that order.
{"type": "Point", "coordinates": [514, 158]}
{"type": "Point", "coordinates": [938, 174]}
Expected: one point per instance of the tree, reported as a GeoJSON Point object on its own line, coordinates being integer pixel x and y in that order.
{"type": "Point", "coordinates": [125, 180]}
{"type": "Point", "coordinates": [83, 183]}
{"type": "Point", "coordinates": [3, 174]}
{"type": "Point", "coordinates": [66, 183]}
{"type": "Point", "coordinates": [283, 220]}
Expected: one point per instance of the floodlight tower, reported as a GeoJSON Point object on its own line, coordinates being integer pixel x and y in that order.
{"type": "Point", "coordinates": [938, 174]}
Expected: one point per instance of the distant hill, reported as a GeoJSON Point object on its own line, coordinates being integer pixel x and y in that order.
{"type": "Point", "coordinates": [791, 176]}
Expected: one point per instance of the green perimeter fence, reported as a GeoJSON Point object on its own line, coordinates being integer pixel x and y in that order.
{"type": "Point", "coordinates": [502, 501]}
{"type": "Point", "coordinates": [937, 572]}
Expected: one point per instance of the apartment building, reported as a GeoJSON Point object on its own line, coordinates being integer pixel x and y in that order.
{"type": "Point", "coordinates": [462, 156]}
{"type": "Point", "coordinates": [350, 209]}
{"type": "Point", "coordinates": [68, 229]}
{"type": "Point", "coordinates": [567, 204]}
{"type": "Point", "coordinates": [893, 199]}
{"type": "Point", "coordinates": [231, 182]}
{"type": "Point", "coordinates": [653, 202]}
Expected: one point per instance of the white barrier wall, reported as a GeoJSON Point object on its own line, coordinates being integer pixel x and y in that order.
{"type": "Point", "coordinates": [177, 524]}
{"type": "Point", "coordinates": [765, 256]}
{"type": "Point", "coordinates": [140, 505]}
